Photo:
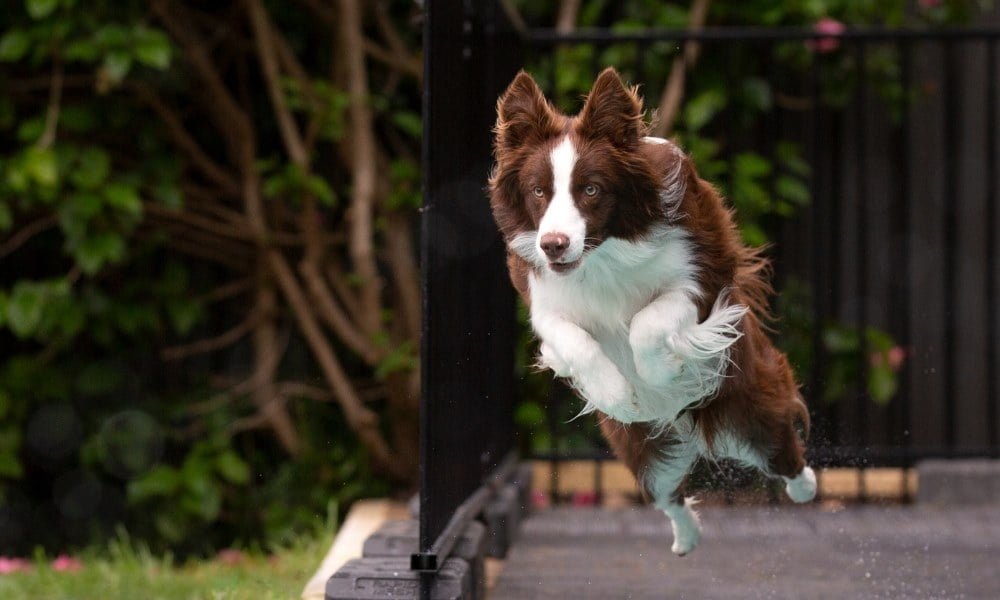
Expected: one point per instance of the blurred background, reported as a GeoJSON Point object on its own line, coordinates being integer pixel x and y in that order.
{"type": "Point", "coordinates": [209, 288]}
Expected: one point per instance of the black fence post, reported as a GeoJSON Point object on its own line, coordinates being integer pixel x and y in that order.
{"type": "Point", "coordinates": [468, 312]}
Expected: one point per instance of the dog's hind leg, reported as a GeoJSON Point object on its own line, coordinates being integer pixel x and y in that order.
{"type": "Point", "coordinates": [663, 480]}
{"type": "Point", "coordinates": [660, 463]}
{"type": "Point", "coordinates": [783, 457]}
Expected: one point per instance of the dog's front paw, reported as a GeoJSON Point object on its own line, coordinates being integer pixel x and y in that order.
{"type": "Point", "coordinates": [549, 359]}
{"type": "Point", "coordinates": [610, 393]}
{"type": "Point", "coordinates": [655, 360]}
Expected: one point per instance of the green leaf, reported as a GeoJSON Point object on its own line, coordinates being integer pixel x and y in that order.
{"type": "Point", "coordinates": [410, 122]}
{"type": "Point", "coordinates": [97, 250]}
{"type": "Point", "coordinates": [92, 169]}
{"type": "Point", "coordinates": [171, 525]}
{"type": "Point", "coordinates": [152, 48]}
{"type": "Point", "coordinates": [752, 165]}
{"type": "Point", "coordinates": [24, 308]}
{"type": "Point", "coordinates": [83, 50]}
{"type": "Point", "coordinates": [14, 45]}
{"type": "Point", "coordinates": [530, 415]}
{"type": "Point", "coordinates": [40, 165]}
{"type": "Point", "coordinates": [124, 198]}
{"type": "Point", "coordinates": [700, 109]}
{"type": "Point", "coordinates": [76, 212]}
{"type": "Point", "coordinates": [841, 340]}
{"type": "Point", "coordinates": [753, 235]}
{"type": "Point", "coordinates": [321, 189]}
{"type": "Point", "coordinates": [158, 482]}
{"type": "Point", "coordinates": [232, 468]}
{"type": "Point", "coordinates": [30, 129]}
{"type": "Point", "coordinates": [184, 313]}
{"type": "Point", "coordinates": [882, 383]}
{"type": "Point", "coordinates": [792, 190]}
{"type": "Point", "coordinates": [400, 358]}
{"type": "Point", "coordinates": [39, 9]}
{"type": "Point", "coordinates": [878, 340]}
{"type": "Point", "coordinates": [757, 93]}
{"type": "Point", "coordinates": [117, 64]}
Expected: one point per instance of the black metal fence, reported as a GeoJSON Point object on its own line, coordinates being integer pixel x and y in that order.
{"type": "Point", "coordinates": [888, 276]}
{"type": "Point", "coordinates": [888, 263]}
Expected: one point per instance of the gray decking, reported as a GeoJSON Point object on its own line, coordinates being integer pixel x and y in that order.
{"type": "Point", "coordinates": [758, 552]}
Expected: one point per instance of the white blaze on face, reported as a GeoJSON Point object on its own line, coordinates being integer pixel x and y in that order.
{"type": "Point", "coordinates": [562, 215]}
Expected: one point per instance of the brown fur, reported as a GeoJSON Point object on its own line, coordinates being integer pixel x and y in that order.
{"type": "Point", "coordinates": [760, 398]}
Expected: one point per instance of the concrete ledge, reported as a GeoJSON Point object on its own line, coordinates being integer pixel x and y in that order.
{"type": "Point", "coordinates": [502, 517]}
{"type": "Point", "coordinates": [364, 517]}
{"type": "Point", "coordinates": [370, 578]}
{"type": "Point", "coordinates": [967, 481]}
{"type": "Point", "coordinates": [399, 539]}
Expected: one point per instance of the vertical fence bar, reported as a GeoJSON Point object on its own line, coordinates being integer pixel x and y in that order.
{"type": "Point", "coordinates": [467, 341]}
{"type": "Point", "coordinates": [951, 140]}
{"type": "Point", "coordinates": [816, 256]}
{"type": "Point", "coordinates": [991, 247]}
{"type": "Point", "coordinates": [901, 262]}
{"type": "Point", "coordinates": [861, 260]}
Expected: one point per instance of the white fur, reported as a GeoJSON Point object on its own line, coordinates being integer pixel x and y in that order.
{"type": "Point", "coordinates": [562, 216]}
{"type": "Point", "coordinates": [633, 305]}
{"type": "Point", "coordinates": [802, 487]}
{"type": "Point", "coordinates": [686, 526]}
{"type": "Point", "coordinates": [673, 186]}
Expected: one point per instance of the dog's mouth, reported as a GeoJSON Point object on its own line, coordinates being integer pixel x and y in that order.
{"type": "Point", "coordinates": [564, 267]}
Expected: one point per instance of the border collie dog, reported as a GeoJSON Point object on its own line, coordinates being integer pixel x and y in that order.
{"type": "Point", "coordinates": [643, 295]}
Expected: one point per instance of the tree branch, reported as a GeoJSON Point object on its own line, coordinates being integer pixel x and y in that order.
{"type": "Point", "coordinates": [269, 61]}
{"type": "Point", "coordinates": [360, 238]}
{"type": "Point", "coordinates": [218, 342]}
{"type": "Point", "coordinates": [329, 311]}
{"type": "Point", "coordinates": [27, 232]}
{"type": "Point", "coordinates": [183, 140]}
{"type": "Point", "coordinates": [566, 19]}
{"type": "Point", "coordinates": [48, 136]}
{"type": "Point", "coordinates": [673, 92]}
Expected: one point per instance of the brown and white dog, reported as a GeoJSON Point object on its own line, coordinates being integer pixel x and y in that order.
{"type": "Point", "coordinates": [643, 295]}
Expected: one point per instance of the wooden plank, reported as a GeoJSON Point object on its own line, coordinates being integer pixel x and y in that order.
{"type": "Point", "coordinates": [578, 476]}
{"type": "Point", "coordinates": [362, 520]}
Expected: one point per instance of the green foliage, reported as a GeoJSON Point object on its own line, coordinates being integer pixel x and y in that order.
{"type": "Point", "coordinates": [90, 298]}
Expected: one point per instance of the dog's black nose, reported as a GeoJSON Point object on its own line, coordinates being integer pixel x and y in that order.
{"type": "Point", "coordinates": [554, 244]}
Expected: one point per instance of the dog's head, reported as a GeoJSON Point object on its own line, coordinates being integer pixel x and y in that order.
{"type": "Point", "coordinates": [563, 185]}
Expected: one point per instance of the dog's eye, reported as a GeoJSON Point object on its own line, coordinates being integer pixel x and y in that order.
{"type": "Point", "coordinates": [538, 192]}
{"type": "Point", "coordinates": [590, 189]}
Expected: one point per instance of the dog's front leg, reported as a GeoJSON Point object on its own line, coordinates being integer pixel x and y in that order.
{"type": "Point", "coordinates": [571, 352]}
{"type": "Point", "coordinates": [652, 335]}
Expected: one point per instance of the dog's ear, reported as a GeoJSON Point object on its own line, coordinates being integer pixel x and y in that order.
{"type": "Point", "coordinates": [524, 116]}
{"type": "Point", "coordinates": [612, 111]}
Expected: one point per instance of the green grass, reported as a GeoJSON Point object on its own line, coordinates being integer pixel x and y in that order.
{"type": "Point", "coordinates": [125, 571]}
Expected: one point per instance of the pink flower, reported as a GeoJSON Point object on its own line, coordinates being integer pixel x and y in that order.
{"type": "Point", "coordinates": [929, 3]}
{"type": "Point", "coordinates": [13, 565]}
{"type": "Point", "coordinates": [584, 499]}
{"type": "Point", "coordinates": [67, 564]}
{"type": "Point", "coordinates": [828, 26]}
{"type": "Point", "coordinates": [539, 499]}
{"type": "Point", "coordinates": [229, 556]}
{"type": "Point", "coordinates": [893, 357]}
